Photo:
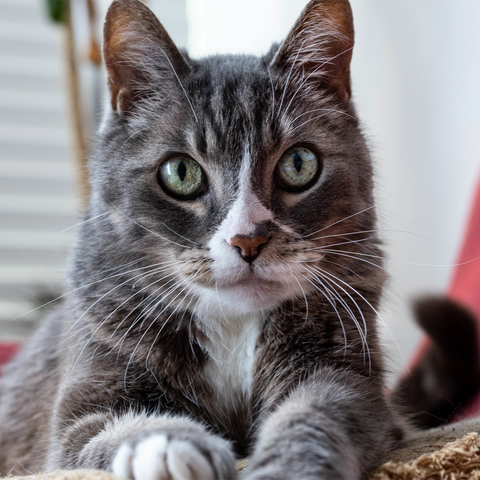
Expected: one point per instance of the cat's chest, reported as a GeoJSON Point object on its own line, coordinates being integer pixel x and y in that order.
{"type": "Point", "coordinates": [230, 343]}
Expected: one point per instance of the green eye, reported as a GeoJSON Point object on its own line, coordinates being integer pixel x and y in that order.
{"type": "Point", "coordinates": [297, 168]}
{"type": "Point", "coordinates": [181, 177]}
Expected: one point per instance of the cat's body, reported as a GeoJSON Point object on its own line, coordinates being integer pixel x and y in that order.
{"type": "Point", "coordinates": [248, 305]}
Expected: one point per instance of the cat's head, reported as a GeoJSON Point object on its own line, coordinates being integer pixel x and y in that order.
{"type": "Point", "coordinates": [238, 176]}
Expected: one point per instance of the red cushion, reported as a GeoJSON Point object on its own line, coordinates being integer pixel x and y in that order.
{"type": "Point", "coordinates": [465, 286]}
{"type": "Point", "coordinates": [7, 352]}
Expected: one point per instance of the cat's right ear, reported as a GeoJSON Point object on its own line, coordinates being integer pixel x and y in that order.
{"type": "Point", "coordinates": [137, 50]}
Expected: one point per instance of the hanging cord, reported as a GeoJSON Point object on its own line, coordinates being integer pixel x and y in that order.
{"type": "Point", "coordinates": [81, 148]}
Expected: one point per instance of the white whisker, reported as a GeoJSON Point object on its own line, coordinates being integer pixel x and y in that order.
{"type": "Point", "coordinates": [312, 73]}
{"type": "Point", "coordinates": [376, 312]}
{"type": "Point", "coordinates": [331, 300]}
{"type": "Point", "coordinates": [181, 85]}
{"type": "Point", "coordinates": [288, 78]}
{"type": "Point", "coordinates": [81, 223]}
{"type": "Point", "coordinates": [363, 334]}
{"type": "Point", "coordinates": [145, 228]}
{"type": "Point", "coordinates": [340, 221]}
{"type": "Point", "coordinates": [273, 93]}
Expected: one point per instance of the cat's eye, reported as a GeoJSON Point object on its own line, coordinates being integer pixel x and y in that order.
{"type": "Point", "coordinates": [297, 169]}
{"type": "Point", "coordinates": [181, 177]}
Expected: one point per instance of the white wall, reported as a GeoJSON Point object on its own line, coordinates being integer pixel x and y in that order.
{"type": "Point", "coordinates": [37, 189]}
{"type": "Point", "coordinates": [228, 26]}
{"type": "Point", "coordinates": [416, 78]}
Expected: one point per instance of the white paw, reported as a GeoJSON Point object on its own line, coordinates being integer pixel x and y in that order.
{"type": "Point", "coordinates": [158, 458]}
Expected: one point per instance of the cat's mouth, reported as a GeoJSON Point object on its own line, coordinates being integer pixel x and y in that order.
{"type": "Point", "coordinates": [254, 282]}
{"type": "Point", "coordinates": [252, 278]}
{"type": "Point", "coordinates": [253, 292]}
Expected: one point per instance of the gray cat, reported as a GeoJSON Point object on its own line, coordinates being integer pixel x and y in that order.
{"type": "Point", "coordinates": [224, 286]}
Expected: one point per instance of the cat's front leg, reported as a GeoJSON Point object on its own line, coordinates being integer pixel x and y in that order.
{"type": "Point", "coordinates": [336, 426]}
{"type": "Point", "coordinates": [146, 447]}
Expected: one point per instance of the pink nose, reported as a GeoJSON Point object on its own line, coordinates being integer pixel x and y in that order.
{"type": "Point", "coordinates": [249, 247]}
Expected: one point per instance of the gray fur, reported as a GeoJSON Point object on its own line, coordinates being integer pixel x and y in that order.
{"type": "Point", "coordinates": [129, 340]}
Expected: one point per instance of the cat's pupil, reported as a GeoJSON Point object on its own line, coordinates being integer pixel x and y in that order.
{"type": "Point", "coordinates": [182, 171]}
{"type": "Point", "coordinates": [297, 162]}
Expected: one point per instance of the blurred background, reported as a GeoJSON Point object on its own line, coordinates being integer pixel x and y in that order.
{"type": "Point", "coordinates": [416, 77]}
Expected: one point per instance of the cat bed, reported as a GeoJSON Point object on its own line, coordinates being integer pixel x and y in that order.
{"type": "Point", "coordinates": [446, 453]}
{"type": "Point", "coordinates": [455, 461]}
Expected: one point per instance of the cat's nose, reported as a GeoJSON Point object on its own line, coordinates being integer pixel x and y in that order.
{"type": "Point", "coordinates": [249, 245]}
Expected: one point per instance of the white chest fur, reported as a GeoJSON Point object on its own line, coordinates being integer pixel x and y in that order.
{"type": "Point", "coordinates": [230, 343]}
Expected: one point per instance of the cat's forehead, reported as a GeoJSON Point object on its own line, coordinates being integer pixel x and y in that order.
{"type": "Point", "coordinates": [233, 94]}
{"type": "Point", "coordinates": [240, 105]}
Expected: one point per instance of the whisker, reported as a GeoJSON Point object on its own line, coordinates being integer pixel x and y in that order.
{"type": "Point", "coordinates": [336, 252]}
{"type": "Point", "coordinates": [151, 272]}
{"type": "Point", "coordinates": [376, 312]}
{"type": "Point", "coordinates": [181, 236]}
{"type": "Point", "coordinates": [346, 234]}
{"type": "Point", "coordinates": [146, 311]}
{"type": "Point", "coordinates": [119, 267]}
{"type": "Point", "coordinates": [133, 135]}
{"type": "Point", "coordinates": [138, 293]}
{"type": "Point", "coordinates": [288, 79]}
{"type": "Point", "coordinates": [152, 323]}
{"type": "Point", "coordinates": [81, 223]}
{"type": "Point", "coordinates": [118, 286]}
{"type": "Point", "coordinates": [346, 268]}
{"type": "Point", "coordinates": [331, 300]}
{"type": "Point", "coordinates": [273, 93]}
{"type": "Point", "coordinates": [363, 333]}
{"type": "Point", "coordinates": [311, 111]}
{"type": "Point", "coordinates": [340, 221]}
{"type": "Point", "coordinates": [312, 73]}
{"type": "Point", "coordinates": [88, 285]}
{"type": "Point", "coordinates": [181, 85]}
{"type": "Point", "coordinates": [187, 281]}
{"type": "Point", "coordinates": [396, 260]}
{"type": "Point", "coordinates": [361, 240]}
{"type": "Point", "coordinates": [317, 117]}
{"type": "Point", "coordinates": [100, 325]}
{"type": "Point", "coordinates": [304, 296]}
{"type": "Point", "coordinates": [148, 230]}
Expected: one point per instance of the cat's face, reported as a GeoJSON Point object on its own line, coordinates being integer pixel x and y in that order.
{"type": "Point", "coordinates": [234, 173]}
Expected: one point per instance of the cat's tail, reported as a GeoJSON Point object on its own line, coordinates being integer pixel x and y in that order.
{"type": "Point", "coordinates": [448, 374]}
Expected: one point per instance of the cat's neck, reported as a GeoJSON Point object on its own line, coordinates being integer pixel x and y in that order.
{"type": "Point", "coordinates": [230, 340]}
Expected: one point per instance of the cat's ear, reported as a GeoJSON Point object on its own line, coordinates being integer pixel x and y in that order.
{"type": "Point", "coordinates": [137, 50]}
{"type": "Point", "coordinates": [318, 50]}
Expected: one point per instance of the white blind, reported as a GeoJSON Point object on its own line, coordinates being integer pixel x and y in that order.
{"type": "Point", "coordinates": [37, 189]}
{"type": "Point", "coordinates": [38, 197]}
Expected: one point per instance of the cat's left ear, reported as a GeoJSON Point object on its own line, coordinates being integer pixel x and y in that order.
{"type": "Point", "coordinates": [318, 50]}
{"type": "Point", "coordinates": [138, 52]}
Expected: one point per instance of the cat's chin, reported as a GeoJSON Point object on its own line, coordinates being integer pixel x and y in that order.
{"type": "Point", "coordinates": [249, 295]}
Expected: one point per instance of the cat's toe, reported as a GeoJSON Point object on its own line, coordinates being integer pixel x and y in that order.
{"type": "Point", "coordinates": [159, 457]}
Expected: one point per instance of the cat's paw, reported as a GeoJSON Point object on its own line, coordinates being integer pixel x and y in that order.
{"type": "Point", "coordinates": [162, 456]}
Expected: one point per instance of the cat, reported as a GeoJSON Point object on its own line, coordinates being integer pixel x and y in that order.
{"type": "Point", "coordinates": [223, 291]}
